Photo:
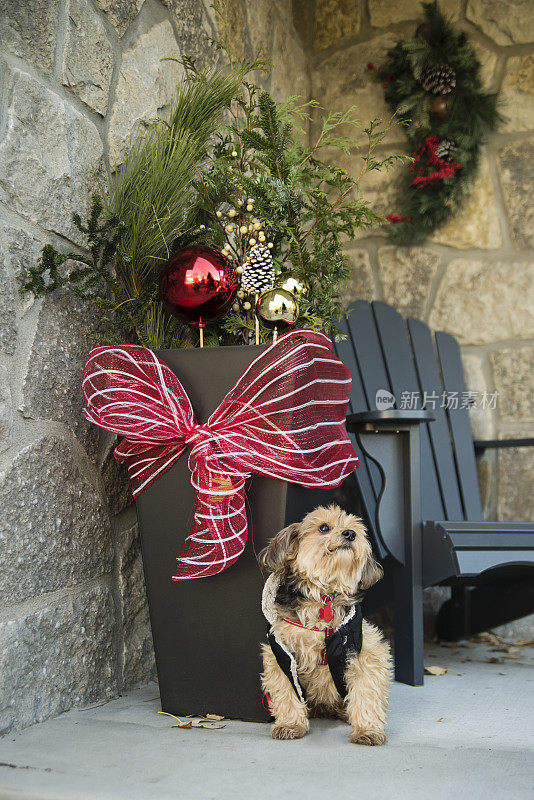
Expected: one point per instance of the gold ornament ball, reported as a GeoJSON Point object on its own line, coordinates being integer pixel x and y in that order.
{"type": "Point", "coordinates": [229, 228]}
{"type": "Point", "coordinates": [247, 306]}
{"type": "Point", "coordinates": [241, 294]}
{"type": "Point", "coordinates": [252, 242]}
{"type": "Point", "coordinates": [270, 245]}
{"type": "Point", "coordinates": [232, 212]}
{"type": "Point", "coordinates": [235, 307]}
{"type": "Point", "coordinates": [277, 308]}
{"type": "Point", "coordinates": [294, 285]}
{"type": "Point", "coordinates": [249, 207]}
{"type": "Point", "coordinates": [257, 226]}
{"type": "Point", "coordinates": [243, 229]}
{"type": "Point", "coordinates": [250, 200]}
{"type": "Point", "coordinates": [234, 153]}
{"type": "Point", "coordinates": [218, 214]}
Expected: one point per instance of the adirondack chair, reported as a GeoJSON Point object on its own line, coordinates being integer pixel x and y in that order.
{"type": "Point", "coordinates": [417, 486]}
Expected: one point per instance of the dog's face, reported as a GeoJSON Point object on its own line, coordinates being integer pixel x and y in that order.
{"type": "Point", "coordinates": [328, 549]}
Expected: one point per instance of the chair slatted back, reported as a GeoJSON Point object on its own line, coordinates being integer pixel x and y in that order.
{"type": "Point", "coordinates": [384, 352]}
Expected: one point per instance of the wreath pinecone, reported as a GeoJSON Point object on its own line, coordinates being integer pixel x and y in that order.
{"type": "Point", "coordinates": [440, 79]}
{"type": "Point", "coordinates": [258, 270]}
{"type": "Point", "coordinates": [445, 149]}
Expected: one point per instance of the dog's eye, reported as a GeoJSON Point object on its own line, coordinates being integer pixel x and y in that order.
{"type": "Point", "coordinates": [324, 528]}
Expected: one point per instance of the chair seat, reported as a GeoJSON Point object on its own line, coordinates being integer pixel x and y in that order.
{"type": "Point", "coordinates": [469, 549]}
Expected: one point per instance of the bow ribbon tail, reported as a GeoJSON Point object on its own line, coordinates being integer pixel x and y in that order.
{"type": "Point", "coordinates": [219, 532]}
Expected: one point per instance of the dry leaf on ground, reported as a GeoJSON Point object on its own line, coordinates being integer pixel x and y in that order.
{"type": "Point", "coordinates": [435, 670]}
{"type": "Point", "coordinates": [216, 717]}
{"type": "Point", "coordinates": [486, 638]}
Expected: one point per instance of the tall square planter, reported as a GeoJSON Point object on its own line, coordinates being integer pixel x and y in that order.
{"type": "Point", "coordinates": [207, 632]}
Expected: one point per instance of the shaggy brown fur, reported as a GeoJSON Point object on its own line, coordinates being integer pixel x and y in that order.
{"type": "Point", "coordinates": [311, 563]}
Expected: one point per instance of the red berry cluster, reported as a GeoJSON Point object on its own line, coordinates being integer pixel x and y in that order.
{"type": "Point", "coordinates": [425, 158]}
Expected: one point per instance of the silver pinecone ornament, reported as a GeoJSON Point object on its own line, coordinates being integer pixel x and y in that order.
{"type": "Point", "coordinates": [445, 149]}
{"type": "Point", "coordinates": [440, 79]}
{"type": "Point", "coordinates": [258, 270]}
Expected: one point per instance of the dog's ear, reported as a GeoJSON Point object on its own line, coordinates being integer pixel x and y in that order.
{"type": "Point", "coordinates": [280, 549]}
{"type": "Point", "coordinates": [371, 573]}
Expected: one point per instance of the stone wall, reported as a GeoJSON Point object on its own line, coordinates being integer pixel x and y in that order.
{"type": "Point", "coordinates": [76, 77]}
{"type": "Point", "coordinates": [475, 276]}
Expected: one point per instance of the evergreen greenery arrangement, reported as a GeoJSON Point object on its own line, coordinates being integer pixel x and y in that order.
{"type": "Point", "coordinates": [227, 161]}
{"type": "Point", "coordinates": [433, 81]}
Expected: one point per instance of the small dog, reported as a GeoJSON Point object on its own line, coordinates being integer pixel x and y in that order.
{"type": "Point", "coordinates": [322, 657]}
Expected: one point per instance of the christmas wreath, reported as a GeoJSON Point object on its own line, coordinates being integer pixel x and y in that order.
{"type": "Point", "coordinates": [433, 82]}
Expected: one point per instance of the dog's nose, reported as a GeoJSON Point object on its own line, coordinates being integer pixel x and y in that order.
{"type": "Point", "coordinates": [350, 535]}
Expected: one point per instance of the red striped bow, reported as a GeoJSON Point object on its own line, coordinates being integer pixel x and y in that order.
{"type": "Point", "coordinates": [284, 418]}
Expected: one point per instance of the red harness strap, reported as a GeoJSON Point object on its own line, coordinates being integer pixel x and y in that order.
{"type": "Point", "coordinates": [327, 632]}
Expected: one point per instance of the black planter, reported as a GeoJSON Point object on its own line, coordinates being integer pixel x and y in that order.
{"type": "Point", "coordinates": [207, 632]}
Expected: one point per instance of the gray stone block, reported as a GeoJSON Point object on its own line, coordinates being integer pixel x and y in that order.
{"type": "Point", "coordinates": [406, 274]}
{"type": "Point", "coordinates": [138, 649]}
{"type": "Point", "coordinates": [120, 12]}
{"type": "Point", "coordinates": [193, 30]}
{"type": "Point", "coordinates": [6, 410]}
{"type": "Point", "coordinates": [28, 30]}
{"type": "Point", "coordinates": [146, 86]}
{"type": "Point", "coordinates": [19, 250]}
{"type": "Point", "coordinates": [56, 659]}
{"type": "Point", "coordinates": [87, 57]}
{"type": "Point", "coordinates": [54, 528]}
{"type": "Point", "coordinates": [475, 300]}
{"type": "Point", "coordinates": [66, 330]}
{"type": "Point", "coordinates": [49, 157]}
{"type": "Point", "coordinates": [517, 178]}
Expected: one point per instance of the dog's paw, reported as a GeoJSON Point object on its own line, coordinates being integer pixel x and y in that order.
{"type": "Point", "coordinates": [368, 737]}
{"type": "Point", "coordinates": [280, 731]}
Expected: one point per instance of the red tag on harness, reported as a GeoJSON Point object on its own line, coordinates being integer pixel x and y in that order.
{"type": "Point", "coordinates": [327, 611]}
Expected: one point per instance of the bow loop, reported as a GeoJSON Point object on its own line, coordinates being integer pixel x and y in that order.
{"type": "Point", "coordinates": [284, 418]}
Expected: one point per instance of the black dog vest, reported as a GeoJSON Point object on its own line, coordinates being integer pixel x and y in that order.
{"type": "Point", "coordinates": [347, 639]}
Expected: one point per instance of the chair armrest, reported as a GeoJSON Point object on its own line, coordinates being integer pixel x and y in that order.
{"type": "Point", "coordinates": [492, 444]}
{"type": "Point", "coordinates": [387, 419]}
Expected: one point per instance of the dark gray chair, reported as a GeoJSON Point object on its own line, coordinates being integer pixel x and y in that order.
{"type": "Point", "coordinates": [417, 486]}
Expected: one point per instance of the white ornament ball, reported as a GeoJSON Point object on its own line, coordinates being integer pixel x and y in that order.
{"type": "Point", "coordinates": [239, 270]}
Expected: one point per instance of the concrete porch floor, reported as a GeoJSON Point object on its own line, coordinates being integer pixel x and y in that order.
{"type": "Point", "coordinates": [467, 734]}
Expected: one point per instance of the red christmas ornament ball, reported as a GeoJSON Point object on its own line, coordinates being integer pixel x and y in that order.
{"type": "Point", "coordinates": [198, 285]}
